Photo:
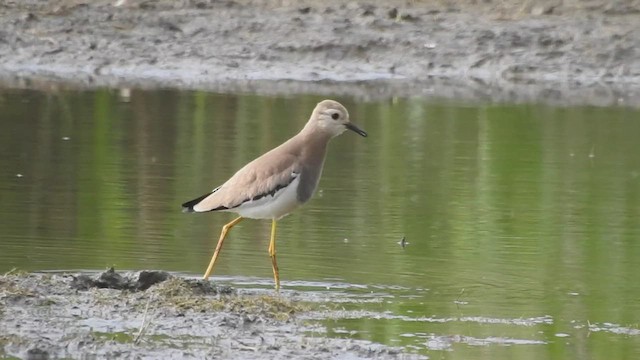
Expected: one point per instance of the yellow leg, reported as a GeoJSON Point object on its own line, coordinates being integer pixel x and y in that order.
{"type": "Point", "coordinates": [272, 253]}
{"type": "Point", "coordinates": [223, 234]}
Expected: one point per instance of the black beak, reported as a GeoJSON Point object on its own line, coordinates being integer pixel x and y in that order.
{"type": "Point", "coordinates": [356, 129]}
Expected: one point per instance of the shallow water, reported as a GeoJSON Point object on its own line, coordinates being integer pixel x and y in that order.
{"type": "Point", "coordinates": [522, 221]}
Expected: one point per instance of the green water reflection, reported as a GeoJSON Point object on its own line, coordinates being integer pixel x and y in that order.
{"type": "Point", "coordinates": [512, 211]}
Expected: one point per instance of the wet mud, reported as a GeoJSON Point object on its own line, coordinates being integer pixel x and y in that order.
{"type": "Point", "coordinates": [152, 315]}
{"type": "Point", "coordinates": [567, 52]}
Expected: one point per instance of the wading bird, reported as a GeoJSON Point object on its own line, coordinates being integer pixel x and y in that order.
{"type": "Point", "coordinates": [279, 181]}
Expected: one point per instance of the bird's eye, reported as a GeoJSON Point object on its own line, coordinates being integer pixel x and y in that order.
{"type": "Point", "coordinates": [335, 116]}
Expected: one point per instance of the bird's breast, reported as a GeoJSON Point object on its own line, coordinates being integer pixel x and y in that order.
{"type": "Point", "coordinates": [308, 182]}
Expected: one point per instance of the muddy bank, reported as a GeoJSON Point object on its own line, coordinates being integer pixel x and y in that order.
{"type": "Point", "coordinates": [108, 315]}
{"type": "Point", "coordinates": [550, 51]}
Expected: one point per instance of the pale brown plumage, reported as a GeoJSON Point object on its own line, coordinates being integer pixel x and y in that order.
{"type": "Point", "coordinates": [259, 177]}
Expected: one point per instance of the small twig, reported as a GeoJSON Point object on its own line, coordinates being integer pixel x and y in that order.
{"type": "Point", "coordinates": [144, 325]}
{"type": "Point", "coordinates": [14, 270]}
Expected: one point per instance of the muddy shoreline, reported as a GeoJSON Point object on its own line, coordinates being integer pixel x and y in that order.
{"type": "Point", "coordinates": [109, 315]}
{"type": "Point", "coordinates": [571, 52]}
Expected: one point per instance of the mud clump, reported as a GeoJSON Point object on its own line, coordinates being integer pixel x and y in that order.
{"type": "Point", "coordinates": [141, 281]}
{"type": "Point", "coordinates": [110, 279]}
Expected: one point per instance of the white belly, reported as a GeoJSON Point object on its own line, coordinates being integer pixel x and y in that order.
{"type": "Point", "coordinates": [280, 204]}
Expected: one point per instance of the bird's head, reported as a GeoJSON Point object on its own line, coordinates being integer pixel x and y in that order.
{"type": "Point", "coordinates": [333, 118]}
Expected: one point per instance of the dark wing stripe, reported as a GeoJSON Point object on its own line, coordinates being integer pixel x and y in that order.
{"type": "Point", "coordinates": [272, 192]}
{"type": "Point", "coordinates": [294, 175]}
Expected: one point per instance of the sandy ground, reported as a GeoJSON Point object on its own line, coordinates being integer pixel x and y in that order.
{"type": "Point", "coordinates": [565, 52]}
{"type": "Point", "coordinates": [153, 315]}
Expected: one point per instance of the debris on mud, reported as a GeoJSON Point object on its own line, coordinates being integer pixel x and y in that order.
{"type": "Point", "coordinates": [154, 314]}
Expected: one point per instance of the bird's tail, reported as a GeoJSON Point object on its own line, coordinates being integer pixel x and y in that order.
{"type": "Point", "coordinates": [188, 206]}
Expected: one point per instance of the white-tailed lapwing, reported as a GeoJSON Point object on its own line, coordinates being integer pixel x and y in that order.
{"type": "Point", "coordinates": [279, 181]}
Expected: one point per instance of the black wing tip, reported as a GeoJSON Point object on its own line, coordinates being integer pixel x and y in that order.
{"type": "Point", "coordinates": [188, 206]}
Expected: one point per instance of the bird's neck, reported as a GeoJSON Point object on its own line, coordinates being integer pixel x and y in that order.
{"type": "Point", "coordinates": [313, 132]}
{"type": "Point", "coordinates": [315, 141]}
